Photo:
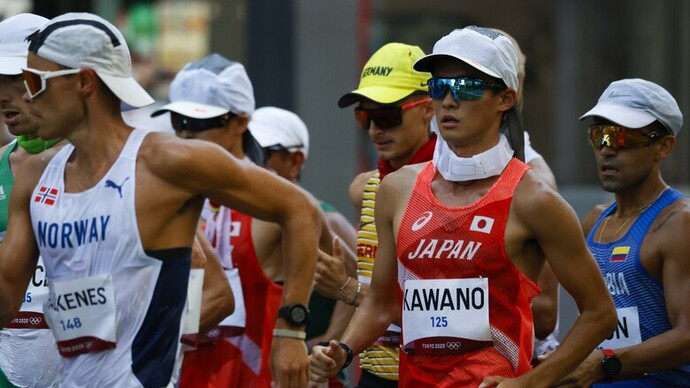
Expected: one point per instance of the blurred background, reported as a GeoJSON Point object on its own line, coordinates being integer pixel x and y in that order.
{"type": "Point", "coordinates": [302, 55]}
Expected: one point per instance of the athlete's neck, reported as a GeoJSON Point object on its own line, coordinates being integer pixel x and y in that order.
{"type": "Point", "coordinates": [423, 154]}
{"type": "Point", "coordinates": [489, 163]}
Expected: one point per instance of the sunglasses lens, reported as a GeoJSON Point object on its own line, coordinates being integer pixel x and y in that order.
{"type": "Point", "coordinates": [616, 137]}
{"type": "Point", "coordinates": [362, 116]}
{"type": "Point", "coordinates": [33, 83]}
{"type": "Point", "coordinates": [184, 123]}
{"type": "Point", "coordinates": [462, 88]}
{"type": "Point", "coordinates": [465, 93]}
{"type": "Point", "coordinates": [384, 118]}
{"type": "Point", "coordinates": [178, 121]}
{"type": "Point", "coordinates": [438, 88]}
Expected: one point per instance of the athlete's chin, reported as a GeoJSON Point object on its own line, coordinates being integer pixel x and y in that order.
{"type": "Point", "coordinates": [610, 185]}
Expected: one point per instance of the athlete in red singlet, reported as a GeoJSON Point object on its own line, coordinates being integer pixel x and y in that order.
{"type": "Point", "coordinates": [462, 240]}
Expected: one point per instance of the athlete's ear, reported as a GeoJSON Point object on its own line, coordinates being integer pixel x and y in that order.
{"type": "Point", "coordinates": [239, 122]}
{"type": "Point", "coordinates": [296, 163]}
{"type": "Point", "coordinates": [508, 99]}
{"type": "Point", "coordinates": [88, 82]}
{"type": "Point", "coordinates": [664, 146]}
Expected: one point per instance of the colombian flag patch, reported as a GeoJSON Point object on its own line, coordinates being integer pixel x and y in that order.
{"type": "Point", "coordinates": [619, 254]}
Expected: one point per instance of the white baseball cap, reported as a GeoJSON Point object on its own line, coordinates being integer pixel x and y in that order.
{"type": "Point", "coordinates": [276, 127]}
{"type": "Point", "coordinates": [484, 49]}
{"type": "Point", "coordinates": [84, 40]}
{"type": "Point", "coordinates": [636, 103]}
{"type": "Point", "coordinates": [210, 87]}
{"type": "Point", "coordinates": [14, 46]}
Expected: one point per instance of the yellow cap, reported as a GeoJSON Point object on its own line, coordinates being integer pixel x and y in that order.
{"type": "Point", "coordinates": [388, 76]}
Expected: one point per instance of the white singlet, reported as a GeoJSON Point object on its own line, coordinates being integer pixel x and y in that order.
{"type": "Point", "coordinates": [114, 309]}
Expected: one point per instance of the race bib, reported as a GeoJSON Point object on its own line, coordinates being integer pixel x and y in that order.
{"type": "Point", "coordinates": [446, 316]}
{"type": "Point", "coordinates": [81, 314]}
{"type": "Point", "coordinates": [30, 315]}
{"type": "Point", "coordinates": [627, 332]}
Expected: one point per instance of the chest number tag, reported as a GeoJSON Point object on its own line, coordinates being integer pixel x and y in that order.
{"type": "Point", "coordinates": [446, 316]}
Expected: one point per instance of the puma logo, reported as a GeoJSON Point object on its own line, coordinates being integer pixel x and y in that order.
{"type": "Point", "coordinates": [114, 185]}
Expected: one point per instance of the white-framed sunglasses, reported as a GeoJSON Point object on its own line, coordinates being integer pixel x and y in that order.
{"type": "Point", "coordinates": [35, 80]}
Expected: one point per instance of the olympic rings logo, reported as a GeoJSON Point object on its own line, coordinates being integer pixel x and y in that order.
{"type": "Point", "coordinates": [35, 320]}
{"type": "Point", "coordinates": [453, 345]}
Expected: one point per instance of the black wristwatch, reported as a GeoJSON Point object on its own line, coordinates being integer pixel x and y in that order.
{"type": "Point", "coordinates": [294, 314]}
{"type": "Point", "coordinates": [349, 353]}
{"type": "Point", "coordinates": [611, 364]}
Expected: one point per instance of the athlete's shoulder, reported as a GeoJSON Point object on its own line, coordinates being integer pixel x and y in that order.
{"type": "Point", "coordinates": [356, 189]}
{"type": "Point", "coordinates": [534, 196]}
{"type": "Point", "coordinates": [402, 181]}
{"type": "Point", "coordinates": [676, 215]}
{"type": "Point", "coordinates": [32, 167]}
{"type": "Point", "coordinates": [164, 152]}
{"type": "Point", "coordinates": [357, 185]}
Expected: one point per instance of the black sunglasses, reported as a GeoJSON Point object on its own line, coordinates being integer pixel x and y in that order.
{"type": "Point", "coordinates": [184, 123]}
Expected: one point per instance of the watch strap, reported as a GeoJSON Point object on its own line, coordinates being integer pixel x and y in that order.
{"type": "Point", "coordinates": [285, 333]}
{"type": "Point", "coordinates": [349, 354]}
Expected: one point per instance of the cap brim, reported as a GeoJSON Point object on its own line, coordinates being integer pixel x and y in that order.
{"type": "Point", "coordinates": [12, 65]}
{"type": "Point", "coordinates": [192, 109]}
{"type": "Point", "coordinates": [378, 94]}
{"type": "Point", "coordinates": [128, 90]}
{"type": "Point", "coordinates": [629, 118]}
{"type": "Point", "coordinates": [428, 62]}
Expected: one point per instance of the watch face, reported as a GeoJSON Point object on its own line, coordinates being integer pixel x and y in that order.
{"type": "Point", "coordinates": [611, 366]}
{"type": "Point", "coordinates": [298, 314]}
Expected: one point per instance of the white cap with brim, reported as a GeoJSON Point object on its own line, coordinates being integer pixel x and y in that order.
{"type": "Point", "coordinates": [273, 127]}
{"type": "Point", "coordinates": [482, 48]}
{"type": "Point", "coordinates": [210, 87]}
{"type": "Point", "coordinates": [85, 40]}
{"type": "Point", "coordinates": [621, 115]}
{"type": "Point", "coordinates": [13, 44]}
{"type": "Point", "coordinates": [636, 103]}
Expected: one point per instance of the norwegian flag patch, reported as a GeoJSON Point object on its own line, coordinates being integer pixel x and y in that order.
{"type": "Point", "coordinates": [46, 195]}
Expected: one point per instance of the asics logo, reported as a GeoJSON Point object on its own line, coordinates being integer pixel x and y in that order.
{"type": "Point", "coordinates": [482, 224]}
{"type": "Point", "coordinates": [421, 221]}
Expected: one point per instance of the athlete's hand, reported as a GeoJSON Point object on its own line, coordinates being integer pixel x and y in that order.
{"type": "Point", "coordinates": [326, 361]}
{"type": "Point", "coordinates": [586, 374]}
{"type": "Point", "coordinates": [289, 363]}
{"type": "Point", "coordinates": [330, 271]}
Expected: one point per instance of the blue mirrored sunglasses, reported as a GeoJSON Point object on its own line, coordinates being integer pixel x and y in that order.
{"type": "Point", "coordinates": [462, 88]}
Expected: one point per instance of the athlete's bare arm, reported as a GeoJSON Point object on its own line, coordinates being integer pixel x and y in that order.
{"type": "Point", "coordinates": [330, 273]}
{"type": "Point", "coordinates": [558, 234]}
{"type": "Point", "coordinates": [193, 169]}
{"type": "Point", "coordinates": [664, 255]}
{"type": "Point", "coordinates": [381, 307]}
{"type": "Point", "coordinates": [217, 299]}
{"type": "Point", "coordinates": [19, 251]}
{"type": "Point", "coordinates": [344, 309]}
{"type": "Point", "coordinates": [545, 305]}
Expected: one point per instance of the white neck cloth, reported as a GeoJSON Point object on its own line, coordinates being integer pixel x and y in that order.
{"type": "Point", "coordinates": [489, 163]}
